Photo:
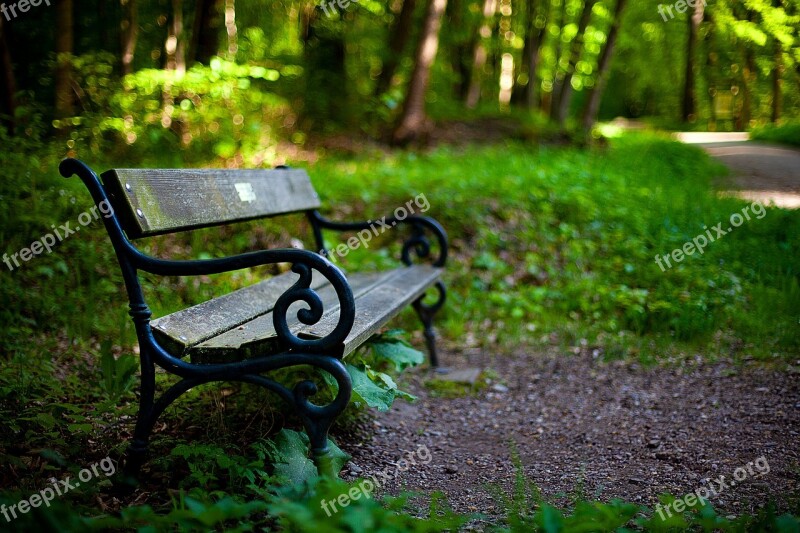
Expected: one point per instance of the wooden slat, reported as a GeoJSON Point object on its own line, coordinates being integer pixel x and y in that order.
{"type": "Point", "coordinates": [183, 329]}
{"type": "Point", "coordinates": [151, 202]}
{"type": "Point", "coordinates": [258, 336]}
{"type": "Point", "coordinates": [376, 307]}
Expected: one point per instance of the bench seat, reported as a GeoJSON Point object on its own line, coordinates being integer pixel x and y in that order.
{"type": "Point", "coordinates": [239, 325]}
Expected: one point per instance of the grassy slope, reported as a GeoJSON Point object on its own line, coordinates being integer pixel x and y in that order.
{"type": "Point", "coordinates": [559, 240]}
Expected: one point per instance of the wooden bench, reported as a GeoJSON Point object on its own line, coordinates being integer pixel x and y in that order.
{"type": "Point", "coordinates": [242, 335]}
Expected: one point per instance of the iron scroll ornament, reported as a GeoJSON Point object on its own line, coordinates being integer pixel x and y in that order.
{"type": "Point", "coordinates": [418, 242]}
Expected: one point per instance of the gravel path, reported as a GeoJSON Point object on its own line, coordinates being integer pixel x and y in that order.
{"type": "Point", "coordinates": [604, 429]}
{"type": "Point", "coordinates": [764, 172]}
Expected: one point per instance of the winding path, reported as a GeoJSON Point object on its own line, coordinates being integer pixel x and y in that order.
{"type": "Point", "coordinates": [764, 172]}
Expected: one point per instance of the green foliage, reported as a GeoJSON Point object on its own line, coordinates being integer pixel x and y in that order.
{"type": "Point", "coordinates": [302, 509]}
{"type": "Point", "coordinates": [118, 373]}
{"type": "Point", "coordinates": [557, 241]}
{"type": "Point", "coordinates": [224, 109]}
{"type": "Point", "coordinates": [786, 133]}
{"type": "Point", "coordinates": [392, 348]}
{"type": "Point", "coordinates": [289, 455]}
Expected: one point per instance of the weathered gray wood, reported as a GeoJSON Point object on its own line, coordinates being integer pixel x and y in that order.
{"type": "Point", "coordinates": [376, 307]}
{"type": "Point", "coordinates": [151, 202]}
{"type": "Point", "coordinates": [181, 330]}
{"type": "Point", "coordinates": [258, 336]}
{"type": "Point", "coordinates": [240, 324]}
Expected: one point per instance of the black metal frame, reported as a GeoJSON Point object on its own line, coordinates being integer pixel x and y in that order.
{"type": "Point", "coordinates": [418, 243]}
{"type": "Point", "coordinates": [317, 419]}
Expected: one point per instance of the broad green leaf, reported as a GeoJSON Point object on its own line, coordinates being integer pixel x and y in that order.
{"type": "Point", "coordinates": [398, 353]}
{"type": "Point", "coordinates": [291, 456]}
{"type": "Point", "coordinates": [365, 390]}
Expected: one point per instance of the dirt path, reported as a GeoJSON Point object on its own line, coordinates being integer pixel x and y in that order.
{"type": "Point", "coordinates": [614, 429]}
{"type": "Point", "coordinates": [764, 172]}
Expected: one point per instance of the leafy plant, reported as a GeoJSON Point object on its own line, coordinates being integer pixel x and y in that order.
{"type": "Point", "coordinates": [119, 373]}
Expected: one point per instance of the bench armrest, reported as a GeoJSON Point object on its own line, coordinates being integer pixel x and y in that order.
{"type": "Point", "coordinates": [303, 261]}
{"type": "Point", "coordinates": [418, 241]}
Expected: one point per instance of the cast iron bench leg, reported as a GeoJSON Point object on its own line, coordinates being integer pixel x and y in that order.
{"type": "Point", "coordinates": [426, 313]}
{"type": "Point", "coordinates": [317, 419]}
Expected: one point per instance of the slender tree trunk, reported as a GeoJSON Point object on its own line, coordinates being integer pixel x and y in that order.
{"type": "Point", "coordinates": [519, 92]}
{"type": "Point", "coordinates": [459, 50]}
{"type": "Point", "coordinates": [480, 55]}
{"type": "Point", "coordinates": [9, 88]}
{"type": "Point", "coordinates": [65, 103]}
{"type": "Point", "coordinates": [689, 107]}
{"type": "Point", "coordinates": [230, 28]}
{"type": "Point", "coordinates": [413, 119]}
{"type": "Point", "coordinates": [710, 73]}
{"type": "Point", "coordinates": [129, 34]}
{"type": "Point", "coordinates": [576, 48]}
{"type": "Point", "coordinates": [205, 31]}
{"type": "Point", "coordinates": [400, 33]}
{"type": "Point", "coordinates": [596, 93]}
{"type": "Point", "coordinates": [555, 91]}
{"type": "Point", "coordinates": [539, 21]}
{"type": "Point", "coordinates": [776, 83]}
{"type": "Point", "coordinates": [175, 47]}
{"type": "Point", "coordinates": [747, 78]}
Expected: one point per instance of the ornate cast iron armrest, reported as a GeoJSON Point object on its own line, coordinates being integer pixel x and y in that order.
{"type": "Point", "coordinates": [418, 242]}
{"type": "Point", "coordinates": [303, 262]}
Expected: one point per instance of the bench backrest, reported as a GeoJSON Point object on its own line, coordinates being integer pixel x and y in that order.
{"type": "Point", "coordinates": [152, 202]}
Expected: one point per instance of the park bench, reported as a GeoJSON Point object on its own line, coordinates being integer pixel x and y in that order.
{"type": "Point", "coordinates": [247, 333]}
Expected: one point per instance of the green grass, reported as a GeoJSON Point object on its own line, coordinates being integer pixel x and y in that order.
{"type": "Point", "coordinates": [557, 240]}
{"type": "Point", "coordinates": [786, 133]}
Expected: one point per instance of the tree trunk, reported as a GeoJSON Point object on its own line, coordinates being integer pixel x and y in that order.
{"type": "Point", "coordinates": [205, 31]}
{"type": "Point", "coordinates": [479, 56]}
{"type": "Point", "coordinates": [65, 104]}
{"type": "Point", "coordinates": [776, 83]}
{"type": "Point", "coordinates": [325, 67]}
{"type": "Point", "coordinates": [400, 33]}
{"type": "Point", "coordinates": [230, 28]}
{"type": "Point", "coordinates": [9, 88]}
{"type": "Point", "coordinates": [537, 38]}
{"type": "Point", "coordinates": [413, 120]}
{"type": "Point", "coordinates": [747, 76]}
{"type": "Point", "coordinates": [689, 107]}
{"type": "Point", "coordinates": [175, 46]}
{"type": "Point", "coordinates": [519, 91]}
{"type": "Point", "coordinates": [459, 51]}
{"type": "Point", "coordinates": [130, 31]}
{"type": "Point", "coordinates": [574, 55]}
{"type": "Point", "coordinates": [710, 72]}
{"type": "Point", "coordinates": [596, 93]}
{"type": "Point", "coordinates": [555, 90]}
